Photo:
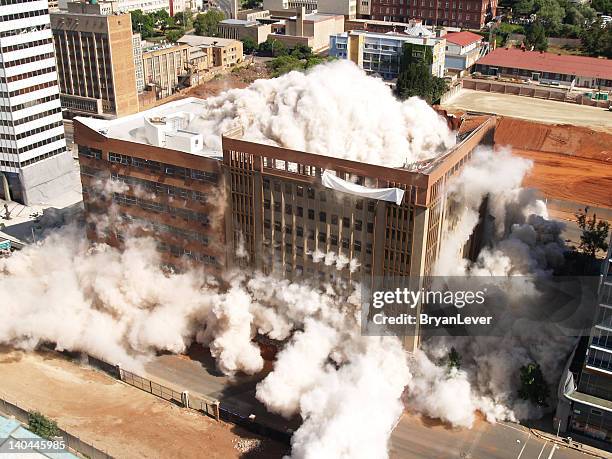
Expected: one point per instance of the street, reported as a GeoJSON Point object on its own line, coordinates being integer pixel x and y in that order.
{"type": "Point", "coordinates": [414, 437]}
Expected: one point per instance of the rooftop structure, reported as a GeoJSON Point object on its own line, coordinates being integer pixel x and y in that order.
{"type": "Point", "coordinates": [463, 49]}
{"type": "Point", "coordinates": [464, 38]}
{"type": "Point", "coordinates": [548, 67]}
{"type": "Point", "coordinates": [239, 29]}
{"type": "Point", "coordinates": [287, 209]}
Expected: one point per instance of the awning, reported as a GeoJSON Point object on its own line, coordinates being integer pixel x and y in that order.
{"type": "Point", "coordinates": [395, 195]}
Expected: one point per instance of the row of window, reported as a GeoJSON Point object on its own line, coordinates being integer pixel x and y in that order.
{"type": "Point", "coordinates": [167, 169]}
{"type": "Point", "coordinates": [600, 359]}
{"type": "Point", "coordinates": [26, 45]}
{"type": "Point", "coordinates": [29, 89]}
{"type": "Point", "coordinates": [31, 103]}
{"type": "Point", "coordinates": [28, 60]}
{"type": "Point", "coordinates": [27, 119]}
{"type": "Point", "coordinates": [26, 75]}
{"type": "Point", "coordinates": [14, 32]}
{"type": "Point", "coordinates": [31, 132]}
{"type": "Point", "coordinates": [15, 2]}
{"type": "Point", "coordinates": [160, 188]}
{"type": "Point", "coordinates": [183, 252]}
{"type": "Point", "coordinates": [88, 152]}
{"type": "Point", "coordinates": [24, 15]}
{"type": "Point", "coordinates": [322, 237]}
{"type": "Point", "coordinates": [152, 206]}
{"type": "Point", "coordinates": [17, 165]}
{"type": "Point", "coordinates": [32, 146]}
{"type": "Point", "coordinates": [163, 228]}
{"type": "Point", "coordinates": [346, 221]}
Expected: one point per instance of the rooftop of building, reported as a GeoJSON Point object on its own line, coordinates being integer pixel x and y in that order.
{"type": "Point", "coordinates": [196, 40]}
{"type": "Point", "coordinates": [463, 38]}
{"type": "Point", "coordinates": [549, 62]}
{"type": "Point", "coordinates": [316, 17]}
{"type": "Point", "coordinates": [395, 36]}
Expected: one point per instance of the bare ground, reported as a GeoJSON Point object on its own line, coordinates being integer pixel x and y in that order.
{"type": "Point", "coordinates": [117, 418]}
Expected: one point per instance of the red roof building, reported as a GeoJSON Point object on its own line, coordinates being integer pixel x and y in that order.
{"type": "Point", "coordinates": [553, 68]}
{"type": "Point", "coordinates": [463, 38]}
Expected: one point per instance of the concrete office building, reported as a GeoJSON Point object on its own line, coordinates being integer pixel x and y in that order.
{"type": "Point", "coordinates": [455, 13]}
{"type": "Point", "coordinates": [585, 395]}
{"type": "Point", "coordinates": [225, 52]}
{"type": "Point", "coordinates": [280, 205]}
{"type": "Point", "coordinates": [239, 29]}
{"type": "Point", "coordinates": [34, 163]}
{"type": "Point", "coordinates": [380, 54]}
{"type": "Point", "coordinates": [312, 29]}
{"type": "Point", "coordinates": [95, 61]}
{"type": "Point", "coordinates": [165, 68]}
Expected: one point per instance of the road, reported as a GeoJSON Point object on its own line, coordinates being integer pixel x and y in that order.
{"type": "Point", "coordinates": [545, 111]}
{"type": "Point", "coordinates": [413, 438]}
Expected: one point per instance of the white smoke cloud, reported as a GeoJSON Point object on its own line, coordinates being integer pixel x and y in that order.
{"type": "Point", "coordinates": [333, 109]}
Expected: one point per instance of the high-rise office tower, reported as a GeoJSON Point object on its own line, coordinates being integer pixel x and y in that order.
{"type": "Point", "coordinates": [34, 163]}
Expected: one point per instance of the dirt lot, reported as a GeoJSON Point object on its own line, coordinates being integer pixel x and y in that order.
{"type": "Point", "coordinates": [545, 111]}
{"type": "Point", "coordinates": [117, 418]}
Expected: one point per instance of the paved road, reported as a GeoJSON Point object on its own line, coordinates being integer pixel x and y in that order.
{"type": "Point", "coordinates": [412, 438]}
{"type": "Point", "coordinates": [546, 111]}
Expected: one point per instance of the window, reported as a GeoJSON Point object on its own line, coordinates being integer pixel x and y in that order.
{"type": "Point", "coordinates": [359, 204]}
{"type": "Point", "coordinates": [267, 223]}
{"type": "Point", "coordinates": [371, 206]}
{"type": "Point", "coordinates": [266, 203]}
{"type": "Point", "coordinates": [266, 183]}
{"type": "Point", "coordinates": [334, 219]}
{"type": "Point", "coordinates": [300, 211]}
{"type": "Point", "coordinates": [277, 207]}
{"type": "Point", "coordinates": [299, 231]}
{"type": "Point", "coordinates": [322, 237]}
{"type": "Point", "coordinates": [346, 222]}
{"type": "Point", "coordinates": [369, 248]}
{"type": "Point", "coordinates": [357, 246]}
{"type": "Point", "coordinates": [310, 214]}
{"type": "Point", "coordinates": [311, 193]}
{"type": "Point", "coordinates": [300, 190]}
{"type": "Point", "coordinates": [322, 197]}
{"type": "Point", "coordinates": [334, 239]}
{"type": "Point", "coordinates": [358, 225]}
{"type": "Point", "coordinates": [345, 242]}
{"type": "Point", "coordinates": [370, 227]}
{"type": "Point", "coordinates": [322, 217]}
{"type": "Point", "coordinates": [288, 209]}
{"type": "Point", "coordinates": [277, 186]}
{"type": "Point", "coordinates": [311, 235]}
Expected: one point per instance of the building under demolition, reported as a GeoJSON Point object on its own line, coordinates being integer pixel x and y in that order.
{"type": "Point", "coordinates": [298, 214]}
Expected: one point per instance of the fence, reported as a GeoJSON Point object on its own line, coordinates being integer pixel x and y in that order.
{"type": "Point", "coordinates": [73, 443]}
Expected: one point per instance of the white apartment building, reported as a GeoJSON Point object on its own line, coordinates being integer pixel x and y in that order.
{"type": "Point", "coordinates": [34, 163]}
{"type": "Point", "coordinates": [379, 54]}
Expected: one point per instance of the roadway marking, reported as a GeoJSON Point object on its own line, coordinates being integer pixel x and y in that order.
{"type": "Point", "coordinates": [542, 450]}
{"type": "Point", "coordinates": [523, 448]}
{"type": "Point", "coordinates": [552, 451]}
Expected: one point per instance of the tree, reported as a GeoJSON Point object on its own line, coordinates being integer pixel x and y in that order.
{"type": "Point", "coordinates": [597, 39]}
{"type": "Point", "coordinates": [42, 426]}
{"type": "Point", "coordinates": [173, 35]}
{"type": "Point", "coordinates": [301, 51]}
{"type": "Point", "coordinates": [184, 19]}
{"type": "Point", "coordinates": [533, 385]}
{"type": "Point", "coordinates": [273, 47]}
{"type": "Point", "coordinates": [550, 15]}
{"type": "Point", "coordinates": [535, 36]}
{"type": "Point", "coordinates": [602, 6]}
{"type": "Point", "coordinates": [594, 235]}
{"type": "Point", "coordinates": [249, 45]}
{"type": "Point", "coordinates": [206, 24]}
{"type": "Point", "coordinates": [251, 4]}
{"type": "Point", "coordinates": [415, 78]}
{"type": "Point", "coordinates": [143, 24]}
{"type": "Point", "coordinates": [454, 359]}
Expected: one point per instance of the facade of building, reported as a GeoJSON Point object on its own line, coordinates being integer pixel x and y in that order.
{"type": "Point", "coordinates": [585, 395]}
{"type": "Point", "coordinates": [165, 68]}
{"type": "Point", "coordinates": [380, 54]}
{"type": "Point", "coordinates": [137, 46]}
{"type": "Point", "coordinates": [122, 6]}
{"type": "Point", "coordinates": [273, 202]}
{"type": "Point", "coordinates": [239, 29]}
{"type": "Point", "coordinates": [346, 8]}
{"type": "Point", "coordinates": [286, 8]}
{"type": "Point", "coordinates": [95, 62]}
{"type": "Point", "coordinates": [551, 68]}
{"type": "Point", "coordinates": [34, 163]}
{"type": "Point", "coordinates": [463, 49]}
{"type": "Point", "coordinates": [312, 29]}
{"type": "Point", "coordinates": [225, 52]}
{"type": "Point", "coordinates": [467, 14]}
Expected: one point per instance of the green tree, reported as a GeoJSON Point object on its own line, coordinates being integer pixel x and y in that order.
{"type": "Point", "coordinates": [602, 6]}
{"type": "Point", "coordinates": [594, 236]}
{"type": "Point", "coordinates": [273, 47]}
{"type": "Point", "coordinates": [415, 78]}
{"type": "Point", "coordinates": [42, 426]}
{"type": "Point", "coordinates": [285, 64]}
{"type": "Point", "coordinates": [454, 359]}
{"type": "Point", "coordinates": [597, 40]}
{"type": "Point", "coordinates": [143, 24]}
{"type": "Point", "coordinates": [550, 14]}
{"type": "Point", "coordinates": [249, 45]}
{"type": "Point", "coordinates": [184, 19]}
{"type": "Point", "coordinates": [533, 385]}
{"type": "Point", "coordinates": [206, 24]}
{"type": "Point", "coordinates": [301, 51]}
{"type": "Point", "coordinates": [535, 36]}
{"type": "Point", "coordinates": [173, 35]}
{"type": "Point", "coordinates": [251, 4]}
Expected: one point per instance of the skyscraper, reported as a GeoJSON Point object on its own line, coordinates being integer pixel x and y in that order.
{"type": "Point", "coordinates": [34, 163]}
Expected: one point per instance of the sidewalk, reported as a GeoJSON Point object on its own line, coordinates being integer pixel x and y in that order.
{"type": "Point", "coordinates": [587, 449]}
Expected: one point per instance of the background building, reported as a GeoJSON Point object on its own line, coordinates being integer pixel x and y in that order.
{"type": "Point", "coordinates": [380, 54]}
{"type": "Point", "coordinates": [456, 13]}
{"type": "Point", "coordinates": [165, 68]}
{"type": "Point", "coordinates": [34, 163]}
{"type": "Point", "coordinates": [585, 399]}
{"type": "Point", "coordinates": [95, 61]}
{"type": "Point", "coordinates": [137, 46]}
{"type": "Point", "coordinates": [589, 72]}
{"type": "Point", "coordinates": [225, 52]}
{"type": "Point", "coordinates": [312, 29]}
{"type": "Point", "coordinates": [463, 49]}
{"type": "Point", "coordinates": [123, 6]}
{"type": "Point", "coordinates": [285, 8]}
{"type": "Point", "coordinates": [239, 29]}
{"type": "Point", "coordinates": [281, 206]}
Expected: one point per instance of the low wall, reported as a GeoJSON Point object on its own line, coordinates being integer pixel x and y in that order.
{"type": "Point", "coordinates": [538, 92]}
